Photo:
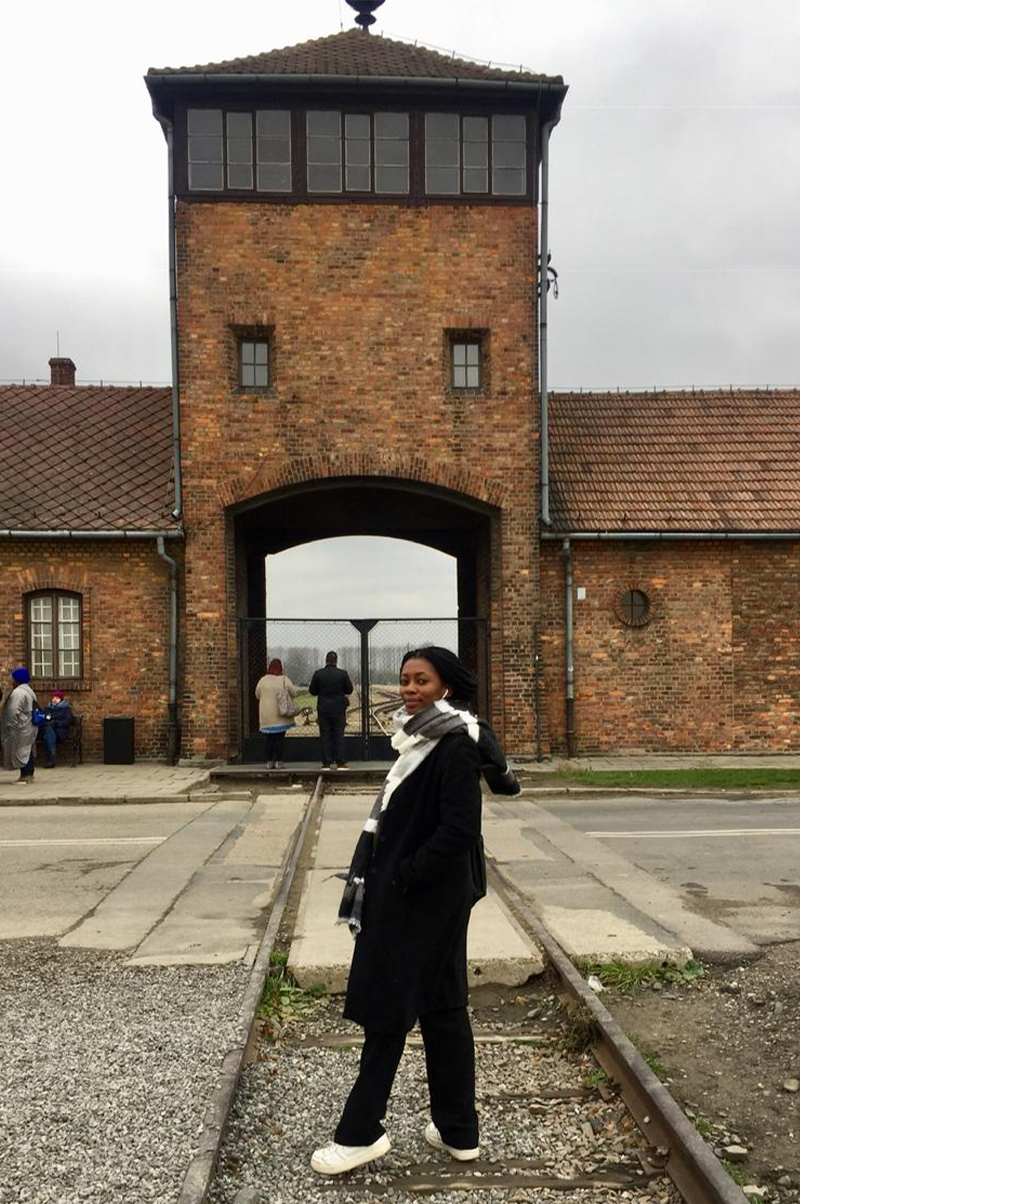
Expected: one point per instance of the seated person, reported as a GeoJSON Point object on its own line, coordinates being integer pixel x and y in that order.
{"type": "Point", "coordinates": [55, 727]}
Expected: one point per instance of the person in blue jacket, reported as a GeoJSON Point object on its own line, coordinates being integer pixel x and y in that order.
{"type": "Point", "coordinates": [55, 727]}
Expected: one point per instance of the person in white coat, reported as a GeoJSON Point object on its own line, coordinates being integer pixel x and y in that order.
{"type": "Point", "coordinates": [17, 731]}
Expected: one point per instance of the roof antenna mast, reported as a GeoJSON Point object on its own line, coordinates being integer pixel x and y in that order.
{"type": "Point", "coordinates": [364, 10]}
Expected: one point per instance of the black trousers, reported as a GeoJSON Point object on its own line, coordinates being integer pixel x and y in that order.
{"type": "Point", "coordinates": [274, 745]}
{"type": "Point", "coordinates": [449, 1060]}
{"type": "Point", "coordinates": [331, 730]}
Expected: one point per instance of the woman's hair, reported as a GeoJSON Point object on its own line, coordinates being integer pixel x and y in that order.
{"type": "Point", "coordinates": [461, 681]}
{"type": "Point", "coordinates": [21, 675]}
{"type": "Point", "coordinates": [275, 667]}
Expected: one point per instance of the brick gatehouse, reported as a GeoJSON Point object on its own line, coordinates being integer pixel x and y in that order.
{"type": "Point", "coordinates": [356, 231]}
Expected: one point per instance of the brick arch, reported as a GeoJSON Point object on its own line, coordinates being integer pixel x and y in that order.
{"type": "Point", "coordinates": [274, 474]}
{"type": "Point", "coordinates": [32, 580]}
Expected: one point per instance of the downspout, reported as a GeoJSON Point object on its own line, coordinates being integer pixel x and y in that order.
{"type": "Point", "coordinates": [173, 741]}
{"type": "Point", "coordinates": [178, 504]}
{"type": "Point", "coordinates": [546, 130]}
{"type": "Point", "coordinates": [173, 723]}
{"type": "Point", "coordinates": [571, 741]}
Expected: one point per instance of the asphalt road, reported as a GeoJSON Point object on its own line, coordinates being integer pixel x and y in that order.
{"type": "Point", "coordinates": [735, 861]}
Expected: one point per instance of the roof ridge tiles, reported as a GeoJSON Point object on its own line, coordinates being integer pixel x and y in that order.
{"type": "Point", "coordinates": [354, 52]}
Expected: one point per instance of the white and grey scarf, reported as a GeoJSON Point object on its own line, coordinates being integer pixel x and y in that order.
{"type": "Point", "coordinates": [416, 737]}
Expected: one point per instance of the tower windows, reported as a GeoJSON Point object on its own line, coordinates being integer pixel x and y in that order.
{"type": "Point", "coordinates": [264, 159]}
{"type": "Point", "coordinates": [205, 149]}
{"type": "Point", "coordinates": [325, 151]}
{"type": "Point", "coordinates": [358, 152]}
{"type": "Point", "coordinates": [509, 155]}
{"type": "Point", "coordinates": [272, 147]}
{"type": "Point", "coordinates": [392, 152]}
{"type": "Point", "coordinates": [480, 155]}
{"type": "Point", "coordinates": [339, 153]}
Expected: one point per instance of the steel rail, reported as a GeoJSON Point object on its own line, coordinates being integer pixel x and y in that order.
{"type": "Point", "coordinates": [198, 1179]}
{"type": "Point", "coordinates": [696, 1172]}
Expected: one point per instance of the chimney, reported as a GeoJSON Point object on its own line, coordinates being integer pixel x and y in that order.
{"type": "Point", "coordinates": [61, 371]}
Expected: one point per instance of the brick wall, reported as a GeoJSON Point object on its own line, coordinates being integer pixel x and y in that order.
{"type": "Point", "coordinates": [715, 668]}
{"type": "Point", "coordinates": [357, 298]}
{"type": "Point", "coordinates": [124, 588]}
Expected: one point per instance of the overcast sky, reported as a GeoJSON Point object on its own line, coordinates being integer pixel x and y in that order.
{"type": "Point", "coordinates": [673, 198]}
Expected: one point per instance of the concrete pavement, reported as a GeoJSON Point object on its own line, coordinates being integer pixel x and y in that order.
{"type": "Point", "coordinates": [188, 877]}
{"type": "Point", "coordinates": [95, 783]}
{"type": "Point", "coordinates": [167, 884]}
{"type": "Point", "coordinates": [498, 950]}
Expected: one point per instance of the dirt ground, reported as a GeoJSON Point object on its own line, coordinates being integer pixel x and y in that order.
{"type": "Point", "coordinates": [728, 1045]}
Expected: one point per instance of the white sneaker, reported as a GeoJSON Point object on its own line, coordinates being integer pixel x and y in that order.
{"type": "Point", "coordinates": [434, 1138]}
{"type": "Point", "coordinates": [334, 1159]}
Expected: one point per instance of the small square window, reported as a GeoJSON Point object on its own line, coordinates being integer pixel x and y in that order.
{"type": "Point", "coordinates": [254, 363]}
{"type": "Point", "coordinates": [466, 361]}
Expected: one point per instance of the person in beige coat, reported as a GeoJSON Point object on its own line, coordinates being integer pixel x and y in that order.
{"type": "Point", "coordinates": [272, 722]}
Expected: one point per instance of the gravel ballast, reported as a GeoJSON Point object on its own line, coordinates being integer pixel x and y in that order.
{"type": "Point", "coordinates": [107, 1071]}
{"type": "Point", "coordinates": [538, 1122]}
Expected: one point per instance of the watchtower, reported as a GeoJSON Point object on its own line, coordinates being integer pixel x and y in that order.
{"type": "Point", "coordinates": [354, 224]}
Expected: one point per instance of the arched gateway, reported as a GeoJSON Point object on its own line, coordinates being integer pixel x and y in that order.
{"type": "Point", "coordinates": [369, 646]}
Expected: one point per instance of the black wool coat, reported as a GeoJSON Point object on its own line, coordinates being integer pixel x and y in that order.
{"type": "Point", "coordinates": [410, 957]}
{"type": "Point", "coordinates": [331, 685]}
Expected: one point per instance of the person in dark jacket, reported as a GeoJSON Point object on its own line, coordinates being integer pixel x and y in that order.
{"type": "Point", "coordinates": [332, 687]}
{"type": "Point", "coordinates": [417, 870]}
{"type": "Point", "coordinates": [55, 727]}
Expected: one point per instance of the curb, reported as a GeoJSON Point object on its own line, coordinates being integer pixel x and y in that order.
{"type": "Point", "coordinates": [118, 800]}
{"type": "Point", "coordinates": [705, 792]}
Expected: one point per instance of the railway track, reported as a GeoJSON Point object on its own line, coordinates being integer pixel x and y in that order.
{"type": "Point", "coordinates": [548, 1130]}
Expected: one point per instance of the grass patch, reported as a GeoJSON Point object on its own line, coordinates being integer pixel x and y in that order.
{"type": "Point", "coordinates": [703, 1126]}
{"type": "Point", "coordinates": [719, 779]}
{"type": "Point", "coordinates": [652, 1059]}
{"type": "Point", "coordinates": [736, 1173]}
{"type": "Point", "coordinates": [579, 1032]}
{"type": "Point", "coordinates": [283, 1001]}
{"type": "Point", "coordinates": [594, 1077]}
{"type": "Point", "coordinates": [625, 977]}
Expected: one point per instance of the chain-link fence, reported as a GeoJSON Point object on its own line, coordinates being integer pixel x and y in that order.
{"type": "Point", "coordinates": [371, 651]}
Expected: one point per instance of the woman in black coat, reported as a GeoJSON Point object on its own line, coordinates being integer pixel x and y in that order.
{"type": "Point", "coordinates": [417, 870]}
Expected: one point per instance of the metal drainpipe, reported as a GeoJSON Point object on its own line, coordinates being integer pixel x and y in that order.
{"type": "Point", "coordinates": [571, 740]}
{"type": "Point", "coordinates": [173, 743]}
{"type": "Point", "coordinates": [546, 130]}
{"type": "Point", "coordinates": [178, 503]}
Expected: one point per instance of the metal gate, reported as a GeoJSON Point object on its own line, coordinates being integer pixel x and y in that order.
{"type": "Point", "coordinates": [371, 651]}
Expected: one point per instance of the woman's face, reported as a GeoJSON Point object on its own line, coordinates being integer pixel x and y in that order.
{"type": "Point", "coordinates": [420, 684]}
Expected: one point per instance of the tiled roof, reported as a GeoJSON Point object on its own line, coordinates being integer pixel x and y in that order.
{"type": "Point", "coordinates": [682, 461]}
{"type": "Point", "coordinates": [85, 458]}
{"type": "Point", "coordinates": [355, 52]}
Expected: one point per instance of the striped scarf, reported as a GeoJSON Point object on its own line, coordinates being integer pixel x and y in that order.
{"type": "Point", "coordinates": [416, 737]}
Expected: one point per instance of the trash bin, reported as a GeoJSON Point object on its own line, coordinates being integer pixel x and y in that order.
{"type": "Point", "coordinates": [118, 741]}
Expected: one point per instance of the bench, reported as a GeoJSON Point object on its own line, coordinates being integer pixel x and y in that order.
{"type": "Point", "coordinates": [72, 741]}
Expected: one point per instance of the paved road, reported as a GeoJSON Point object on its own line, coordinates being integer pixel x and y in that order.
{"type": "Point", "coordinates": [735, 861]}
{"type": "Point", "coordinates": [168, 883]}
